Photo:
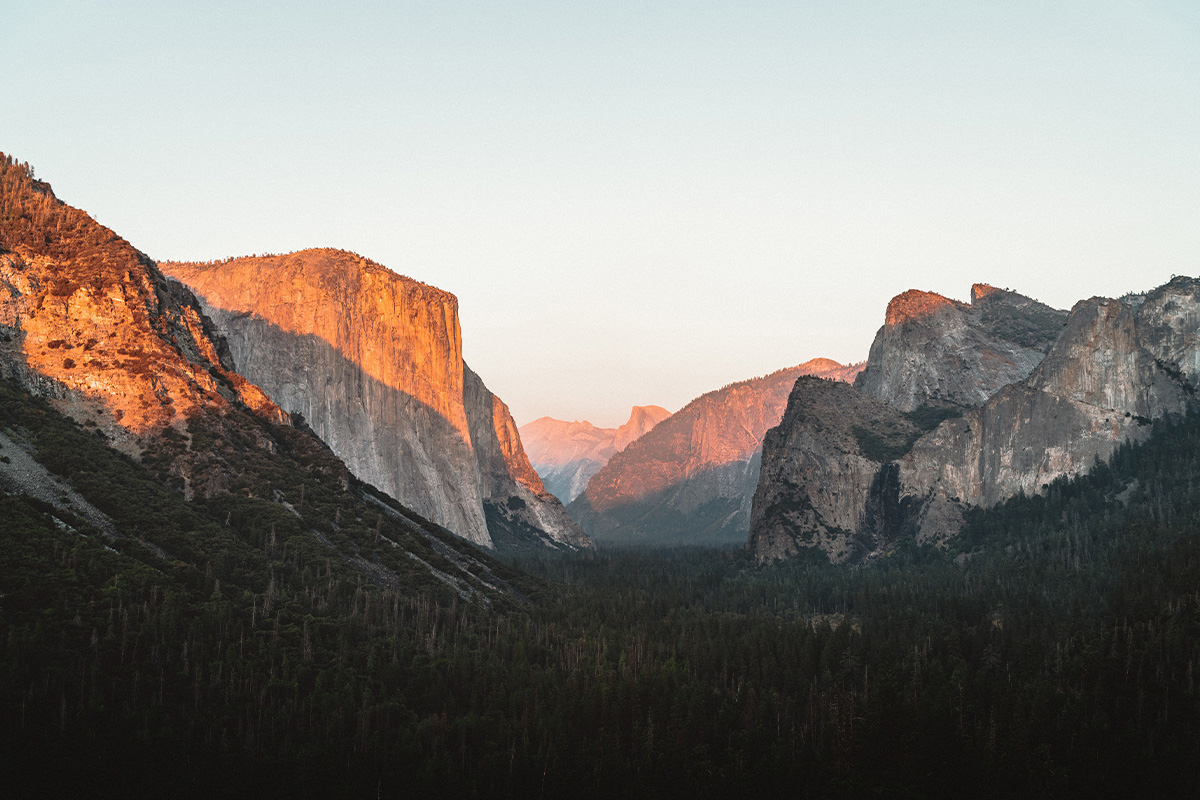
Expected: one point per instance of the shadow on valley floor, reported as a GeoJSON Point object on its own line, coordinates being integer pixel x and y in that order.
{"type": "Point", "coordinates": [709, 508]}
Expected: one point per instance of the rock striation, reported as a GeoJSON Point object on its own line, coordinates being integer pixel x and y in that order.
{"type": "Point", "coordinates": [568, 454]}
{"type": "Point", "coordinates": [91, 323]}
{"type": "Point", "coordinates": [690, 480]}
{"type": "Point", "coordinates": [373, 362]}
{"type": "Point", "coordinates": [1113, 367]}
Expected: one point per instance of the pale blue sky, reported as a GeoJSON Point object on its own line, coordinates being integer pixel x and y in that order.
{"type": "Point", "coordinates": [635, 202]}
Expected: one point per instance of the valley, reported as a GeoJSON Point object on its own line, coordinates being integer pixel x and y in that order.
{"type": "Point", "coordinates": [265, 532]}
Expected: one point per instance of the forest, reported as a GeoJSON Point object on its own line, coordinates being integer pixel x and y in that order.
{"type": "Point", "coordinates": [213, 649]}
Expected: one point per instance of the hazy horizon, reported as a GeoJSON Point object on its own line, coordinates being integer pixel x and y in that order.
{"type": "Point", "coordinates": [635, 205]}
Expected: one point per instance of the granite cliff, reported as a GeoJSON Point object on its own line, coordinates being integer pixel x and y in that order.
{"type": "Point", "coordinates": [126, 428]}
{"type": "Point", "coordinates": [821, 476]}
{"type": "Point", "coordinates": [936, 351]}
{"type": "Point", "coordinates": [1112, 367]}
{"type": "Point", "coordinates": [691, 479]}
{"type": "Point", "coordinates": [90, 323]}
{"type": "Point", "coordinates": [568, 454]}
{"type": "Point", "coordinates": [373, 362]}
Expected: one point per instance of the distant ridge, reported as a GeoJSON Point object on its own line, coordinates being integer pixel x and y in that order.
{"type": "Point", "coordinates": [567, 454]}
{"type": "Point", "coordinates": [691, 479]}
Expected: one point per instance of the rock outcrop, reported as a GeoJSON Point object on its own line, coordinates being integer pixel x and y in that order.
{"type": "Point", "coordinates": [691, 479]}
{"type": "Point", "coordinates": [933, 351]}
{"type": "Point", "coordinates": [373, 362]}
{"type": "Point", "coordinates": [568, 454]}
{"type": "Point", "coordinates": [820, 473]}
{"type": "Point", "coordinates": [91, 323]}
{"type": "Point", "coordinates": [1112, 368]}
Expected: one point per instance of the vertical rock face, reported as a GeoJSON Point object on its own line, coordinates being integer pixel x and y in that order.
{"type": "Point", "coordinates": [373, 361]}
{"type": "Point", "coordinates": [568, 454]}
{"type": "Point", "coordinates": [796, 503]}
{"type": "Point", "coordinates": [1112, 368]}
{"type": "Point", "coordinates": [90, 322]}
{"type": "Point", "coordinates": [935, 351]}
{"type": "Point", "coordinates": [520, 512]}
{"type": "Point", "coordinates": [692, 478]}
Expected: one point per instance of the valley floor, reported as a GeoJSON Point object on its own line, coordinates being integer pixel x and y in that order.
{"type": "Point", "coordinates": [1052, 652]}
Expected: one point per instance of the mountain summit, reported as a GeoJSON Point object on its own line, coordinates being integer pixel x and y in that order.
{"type": "Point", "coordinates": [568, 454]}
{"type": "Point", "coordinates": [90, 322]}
{"type": "Point", "coordinates": [936, 351]}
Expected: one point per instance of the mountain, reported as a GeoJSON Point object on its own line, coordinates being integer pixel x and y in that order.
{"type": "Point", "coordinates": [90, 322]}
{"type": "Point", "coordinates": [124, 421]}
{"type": "Point", "coordinates": [1114, 366]}
{"type": "Point", "coordinates": [568, 454]}
{"type": "Point", "coordinates": [373, 362]}
{"type": "Point", "coordinates": [691, 478]}
{"type": "Point", "coordinates": [821, 476]}
{"type": "Point", "coordinates": [936, 351]}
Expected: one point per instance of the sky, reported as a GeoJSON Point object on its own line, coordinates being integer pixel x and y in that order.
{"type": "Point", "coordinates": [635, 202]}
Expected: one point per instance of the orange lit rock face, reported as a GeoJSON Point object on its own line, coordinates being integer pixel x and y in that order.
{"type": "Point", "coordinates": [692, 478]}
{"type": "Point", "coordinates": [373, 361]}
{"type": "Point", "coordinates": [982, 290]}
{"type": "Point", "coordinates": [91, 322]}
{"type": "Point", "coordinates": [915, 305]}
{"type": "Point", "coordinates": [567, 454]}
{"type": "Point", "coordinates": [400, 332]}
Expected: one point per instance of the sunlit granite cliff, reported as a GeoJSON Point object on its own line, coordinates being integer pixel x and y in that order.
{"type": "Point", "coordinates": [1112, 367]}
{"type": "Point", "coordinates": [691, 478]}
{"type": "Point", "coordinates": [89, 322]}
{"type": "Point", "coordinates": [169, 468]}
{"type": "Point", "coordinates": [568, 454]}
{"type": "Point", "coordinates": [373, 362]}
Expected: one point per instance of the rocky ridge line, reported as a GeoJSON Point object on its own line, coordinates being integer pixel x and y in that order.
{"type": "Point", "coordinates": [692, 478]}
{"type": "Point", "coordinates": [1110, 369]}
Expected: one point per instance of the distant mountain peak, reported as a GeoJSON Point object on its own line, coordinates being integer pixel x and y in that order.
{"type": "Point", "coordinates": [650, 410]}
{"type": "Point", "coordinates": [567, 454]}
